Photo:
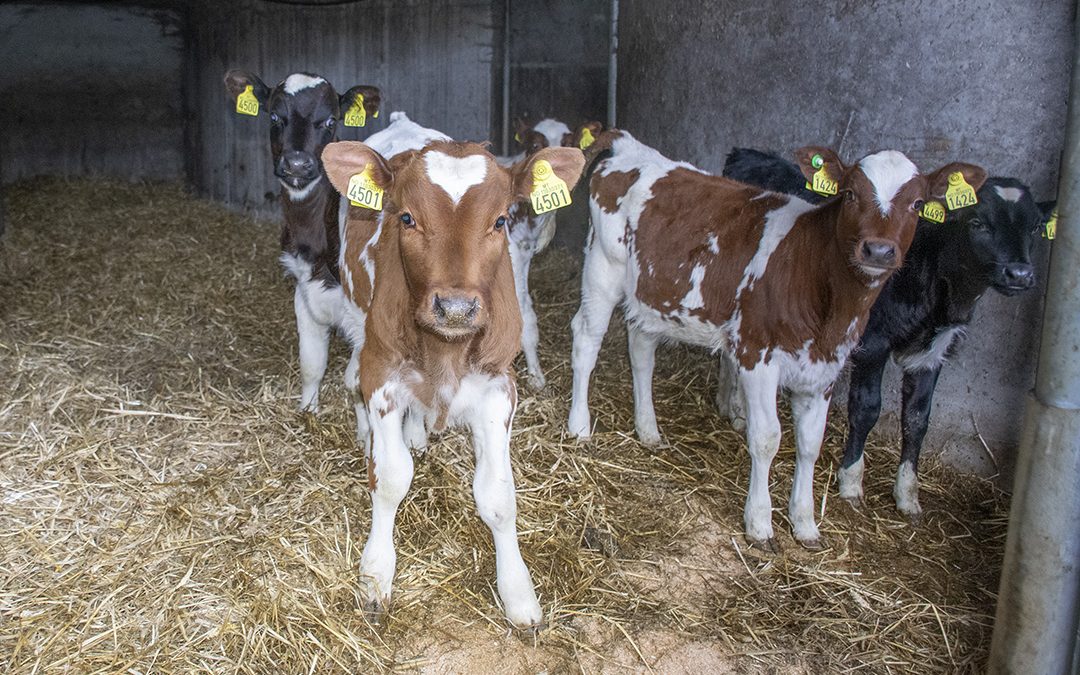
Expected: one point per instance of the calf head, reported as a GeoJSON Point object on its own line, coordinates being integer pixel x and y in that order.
{"type": "Point", "coordinates": [880, 198]}
{"type": "Point", "coordinates": [544, 134]}
{"type": "Point", "coordinates": [1001, 229]}
{"type": "Point", "coordinates": [304, 111]}
{"type": "Point", "coordinates": [585, 135]}
{"type": "Point", "coordinates": [447, 206]}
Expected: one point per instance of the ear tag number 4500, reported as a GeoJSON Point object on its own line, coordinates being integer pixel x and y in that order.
{"type": "Point", "coordinates": [959, 193]}
{"type": "Point", "coordinates": [364, 191]}
{"type": "Point", "coordinates": [356, 115]}
{"type": "Point", "coordinates": [549, 191]}
{"type": "Point", "coordinates": [246, 103]}
{"type": "Point", "coordinates": [822, 183]}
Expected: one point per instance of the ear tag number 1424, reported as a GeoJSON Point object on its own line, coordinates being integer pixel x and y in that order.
{"type": "Point", "coordinates": [549, 191]}
{"type": "Point", "coordinates": [959, 193]}
{"type": "Point", "coordinates": [822, 183]}
{"type": "Point", "coordinates": [246, 103]}
{"type": "Point", "coordinates": [364, 191]}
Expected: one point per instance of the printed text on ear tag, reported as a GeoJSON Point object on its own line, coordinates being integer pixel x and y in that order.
{"type": "Point", "coordinates": [1050, 231]}
{"type": "Point", "coordinates": [959, 194]}
{"type": "Point", "coordinates": [356, 116]}
{"type": "Point", "coordinates": [364, 191]}
{"type": "Point", "coordinates": [246, 103]}
{"type": "Point", "coordinates": [549, 191]}
{"type": "Point", "coordinates": [933, 211]}
{"type": "Point", "coordinates": [821, 183]}
{"type": "Point", "coordinates": [586, 138]}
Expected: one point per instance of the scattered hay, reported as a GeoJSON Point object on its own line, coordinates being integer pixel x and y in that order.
{"type": "Point", "coordinates": [164, 508]}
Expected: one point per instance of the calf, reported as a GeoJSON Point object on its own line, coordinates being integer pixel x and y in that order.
{"type": "Point", "coordinates": [434, 279]}
{"type": "Point", "coordinates": [923, 309]}
{"type": "Point", "coordinates": [304, 111]}
{"type": "Point", "coordinates": [781, 286]}
{"type": "Point", "coordinates": [530, 233]}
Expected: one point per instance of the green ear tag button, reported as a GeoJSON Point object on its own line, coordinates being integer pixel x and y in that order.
{"type": "Point", "coordinates": [246, 103]}
{"type": "Point", "coordinates": [356, 116]}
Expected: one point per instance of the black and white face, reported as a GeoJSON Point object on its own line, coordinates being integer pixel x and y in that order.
{"type": "Point", "coordinates": [1002, 228]}
{"type": "Point", "coordinates": [305, 112]}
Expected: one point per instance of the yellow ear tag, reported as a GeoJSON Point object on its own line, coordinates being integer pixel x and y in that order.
{"type": "Point", "coordinates": [356, 116]}
{"type": "Point", "coordinates": [246, 103]}
{"type": "Point", "coordinates": [933, 211]}
{"type": "Point", "coordinates": [1050, 230]}
{"type": "Point", "coordinates": [586, 138]}
{"type": "Point", "coordinates": [364, 191]}
{"type": "Point", "coordinates": [822, 184]}
{"type": "Point", "coordinates": [959, 194]}
{"type": "Point", "coordinates": [549, 191]}
{"type": "Point", "coordinates": [375, 114]}
{"type": "Point", "coordinates": [517, 137]}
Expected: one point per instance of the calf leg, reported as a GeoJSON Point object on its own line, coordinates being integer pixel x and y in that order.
{"type": "Point", "coordinates": [810, 411]}
{"type": "Point", "coordinates": [759, 388]}
{"type": "Point", "coordinates": [416, 433]}
{"type": "Point", "coordinates": [493, 487]}
{"type": "Point", "coordinates": [530, 331]}
{"type": "Point", "coordinates": [352, 385]}
{"type": "Point", "coordinates": [601, 290]}
{"type": "Point", "coordinates": [918, 394]}
{"type": "Point", "coordinates": [390, 472]}
{"type": "Point", "coordinates": [729, 400]}
{"type": "Point", "coordinates": [864, 407]}
{"type": "Point", "coordinates": [314, 340]}
{"type": "Point", "coordinates": [642, 359]}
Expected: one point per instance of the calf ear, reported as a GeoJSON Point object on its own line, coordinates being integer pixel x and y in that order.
{"type": "Point", "coordinates": [1047, 209]}
{"type": "Point", "coordinates": [344, 159]}
{"type": "Point", "coordinates": [236, 81]}
{"type": "Point", "coordinates": [938, 182]}
{"type": "Point", "coordinates": [805, 157]}
{"type": "Point", "coordinates": [372, 99]}
{"type": "Point", "coordinates": [567, 164]}
{"type": "Point", "coordinates": [521, 127]}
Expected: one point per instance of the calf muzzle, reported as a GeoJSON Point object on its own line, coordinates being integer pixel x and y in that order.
{"type": "Point", "coordinates": [297, 168]}
{"type": "Point", "coordinates": [455, 314]}
{"type": "Point", "coordinates": [879, 254]}
{"type": "Point", "coordinates": [1014, 277]}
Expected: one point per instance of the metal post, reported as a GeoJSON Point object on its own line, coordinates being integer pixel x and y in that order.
{"type": "Point", "coordinates": [506, 81]}
{"type": "Point", "coordinates": [1035, 629]}
{"type": "Point", "coordinates": [613, 63]}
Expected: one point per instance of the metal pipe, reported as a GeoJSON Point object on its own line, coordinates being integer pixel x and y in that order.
{"type": "Point", "coordinates": [1035, 629]}
{"type": "Point", "coordinates": [613, 63]}
{"type": "Point", "coordinates": [506, 81]}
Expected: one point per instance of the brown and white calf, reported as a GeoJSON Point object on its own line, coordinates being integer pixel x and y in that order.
{"type": "Point", "coordinates": [782, 287]}
{"type": "Point", "coordinates": [435, 282]}
{"type": "Point", "coordinates": [304, 111]}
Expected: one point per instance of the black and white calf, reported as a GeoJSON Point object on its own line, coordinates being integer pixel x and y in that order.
{"type": "Point", "coordinates": [923, 309]}
{"type": "Point", "coordinates": [304, 112]}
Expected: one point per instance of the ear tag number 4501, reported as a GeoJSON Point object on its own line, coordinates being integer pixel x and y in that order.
{"type": "Point", "coordinates": [549, 191]}
{"type": "Point", "coordinates": [364, 191]}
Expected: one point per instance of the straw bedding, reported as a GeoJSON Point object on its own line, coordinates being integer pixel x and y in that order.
{"type": "Point", "coordinates": [164, 508]}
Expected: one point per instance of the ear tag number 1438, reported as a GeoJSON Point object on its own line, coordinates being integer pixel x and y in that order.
{"type": "Point", "coordinates": [356, 115]}
{"type": "Point", "coordinates": [246, 103]}
{"type": "Point", "coordinates": [549, 191]}
{"type": "Point", "coordinates": [364, 191]}
{"type": "Point", "coordinates": [959, 193]}
{"type": "Point", "coordinates": [822, 183]}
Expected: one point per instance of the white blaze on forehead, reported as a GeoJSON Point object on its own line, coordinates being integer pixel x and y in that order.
{"type": "Point", "coordinates": [1009, 194]}
{"type": "Point", "coordinates": [887, 171]}
{"type": "Point", "coordinates": [455, 175]}
{"type": "Point", "coordinates": [552, 130]}
{"type": "Point", "coordinates": [299, 81]}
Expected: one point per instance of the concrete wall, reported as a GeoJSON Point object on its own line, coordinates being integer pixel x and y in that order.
{"type": "Point", "coordinates": [90, 90]}
{"type": "Point", "coordinates": [985, 81]}
{"type": "Point", "coordinates": [432, 59]}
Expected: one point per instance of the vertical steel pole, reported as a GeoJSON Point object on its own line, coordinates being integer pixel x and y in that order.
{"type": "Point", "coordinates": [506, 81]}
{"type": "Point", "coordinates": [1035, 629]}
{"type": "Point", "coordinates": [613, 63]}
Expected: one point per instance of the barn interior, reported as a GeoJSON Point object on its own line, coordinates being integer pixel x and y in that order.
{"type": "Point", "coordinates": [165, 506]}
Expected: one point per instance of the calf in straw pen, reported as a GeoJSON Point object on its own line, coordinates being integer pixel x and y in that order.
{"type": "Point", "coordinates": [781, 286]}
{"type": "Point", "coordinates": [443, 327]}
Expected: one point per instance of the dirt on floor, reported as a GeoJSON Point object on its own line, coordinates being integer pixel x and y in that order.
{"type": "Point", "coordinates": [164, 508]}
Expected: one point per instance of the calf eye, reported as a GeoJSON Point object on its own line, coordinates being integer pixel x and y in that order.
{"type": "Point", "coordinates": [500, 222]}
{"type": "Point", "coordinates": [407, 220]}
{"type": "Point", "coordinates": [977, 224]}
{"type": "Point", "coordinates": [849, 195]}
{"type": "Point", "coordinates": [917, 205]}
{"type": "Point", "coordinates": [275, 118]}
{"type": "Point", "coordinates": [330, 122]}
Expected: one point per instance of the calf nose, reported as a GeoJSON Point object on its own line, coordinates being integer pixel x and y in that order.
{"type": "Point", "coordinates": [296, 163]}
{"type": "Point", "coordinates": [1021, 275]}
{"type": "Point", "coordinates": [879, 253]}
{"type": "Point", "coordinates": [455, 311]}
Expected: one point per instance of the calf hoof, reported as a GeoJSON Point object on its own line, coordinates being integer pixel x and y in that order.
{"type": "Point", "coordinates": [914, 516]}
{"type": "Point", "coordinates": [738, 423]}
{"type": "Point", "coordinates": [375, 611]}
{"type": "Point", "coordinates": [767, 545]}
{"type": "Point", "coordinates": [526, 617]}
{"type": "Point", "coordinates": [856, 503]}
{"type": "Point", "coordinates": [811, 544]}
{"type": "Point", "coordinates": [650, 439]}
{"type": "Point", "coordinates": [579, 429]}
{"type": "Point", "coordinates": [536, 382]}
